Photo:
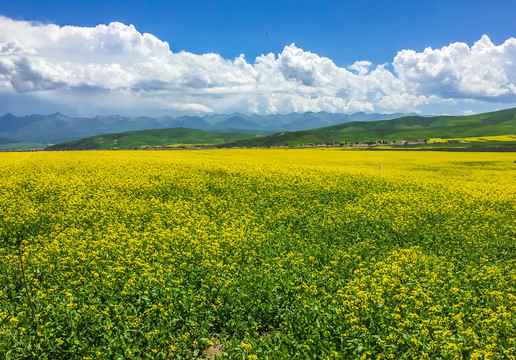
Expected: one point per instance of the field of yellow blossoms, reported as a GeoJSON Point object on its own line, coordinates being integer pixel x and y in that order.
{"type": "Point", "coordinates": [258, 254]}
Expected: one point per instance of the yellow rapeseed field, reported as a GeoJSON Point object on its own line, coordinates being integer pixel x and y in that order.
{"type": "Point", "coordinates": [258, 254]}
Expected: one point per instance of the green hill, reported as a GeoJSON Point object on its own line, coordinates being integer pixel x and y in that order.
{"type": "Point", "coordinates": [174, 137]}
{"type": "Point", "coordinates": [4, 141]}
{"type": "Point", "coordinates": [408, 128]}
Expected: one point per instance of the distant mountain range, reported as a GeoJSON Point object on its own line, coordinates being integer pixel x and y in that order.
{"type": "Point", "coordinates": [56, 128]}
{"type": "Point", "coordinates": [494, 131]}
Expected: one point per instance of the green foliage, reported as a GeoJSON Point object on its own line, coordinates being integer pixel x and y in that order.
{"type": "Point", "coordinates": [264, 254]}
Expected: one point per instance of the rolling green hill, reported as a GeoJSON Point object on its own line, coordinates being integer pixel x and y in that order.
{"type": "Point", "coordinates": [408, 128]}
{"type": "Point", "coordinates": [4, 141]}
{"type": "Point", "coordinates": [174, 137]}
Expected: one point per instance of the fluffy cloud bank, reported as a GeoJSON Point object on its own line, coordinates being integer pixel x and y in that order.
{"type": "Point", "coordinates": [484, 71]}
{"type": "Point", "coordinates": [116, 67]}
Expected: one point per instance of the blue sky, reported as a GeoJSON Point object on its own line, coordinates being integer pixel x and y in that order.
{"type": "Point", "coordinates": [343, 32]}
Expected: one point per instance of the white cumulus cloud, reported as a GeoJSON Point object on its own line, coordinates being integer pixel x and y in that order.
{"type": "Point", "coordinates": [117, 69]}
{"type": "Point", "coordinates": [484, 71]}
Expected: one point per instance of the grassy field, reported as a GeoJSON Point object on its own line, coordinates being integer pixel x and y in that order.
{"type": "Point", "coordinates": [175, 137]}
{"type": "Point", "coordinates": [258, 254]}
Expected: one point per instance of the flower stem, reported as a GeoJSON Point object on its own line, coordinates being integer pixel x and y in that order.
{"type": "Point", "coordinates": [25, 282]}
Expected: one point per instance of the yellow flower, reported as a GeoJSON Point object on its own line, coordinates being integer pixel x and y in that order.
{"type": "Point", "coordinates": [246, 346]}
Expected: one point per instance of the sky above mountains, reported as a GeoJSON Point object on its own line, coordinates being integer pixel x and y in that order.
{"type": "Point", "coordinates": [201, 57]}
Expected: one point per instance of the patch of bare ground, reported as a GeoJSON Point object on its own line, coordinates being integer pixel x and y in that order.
{"type": "Point", "coordinates": [214, 351]}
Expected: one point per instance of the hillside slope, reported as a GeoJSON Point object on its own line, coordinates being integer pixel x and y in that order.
{"type": "Point", "coordinates": [150, 138]}
{"type": "Point", "coordinates": [408, 128]}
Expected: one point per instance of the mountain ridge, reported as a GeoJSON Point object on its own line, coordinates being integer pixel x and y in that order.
{"type": "Point", "coordinates": [57, 127]}
{"type": "Point", "coordinates": [416, 130]}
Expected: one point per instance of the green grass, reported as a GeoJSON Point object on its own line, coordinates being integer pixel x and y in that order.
{"type": "Point", "coordinates": [409, 128]}
{"type": "Point", "coordinates": [174, 137]}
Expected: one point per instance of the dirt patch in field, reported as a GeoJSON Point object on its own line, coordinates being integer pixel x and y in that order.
{"type": "Point", "coordinates": [214, 351]}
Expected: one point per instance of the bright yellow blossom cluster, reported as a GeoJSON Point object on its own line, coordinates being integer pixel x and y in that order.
{"type": "Point", "coordinates": [258, 253]}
